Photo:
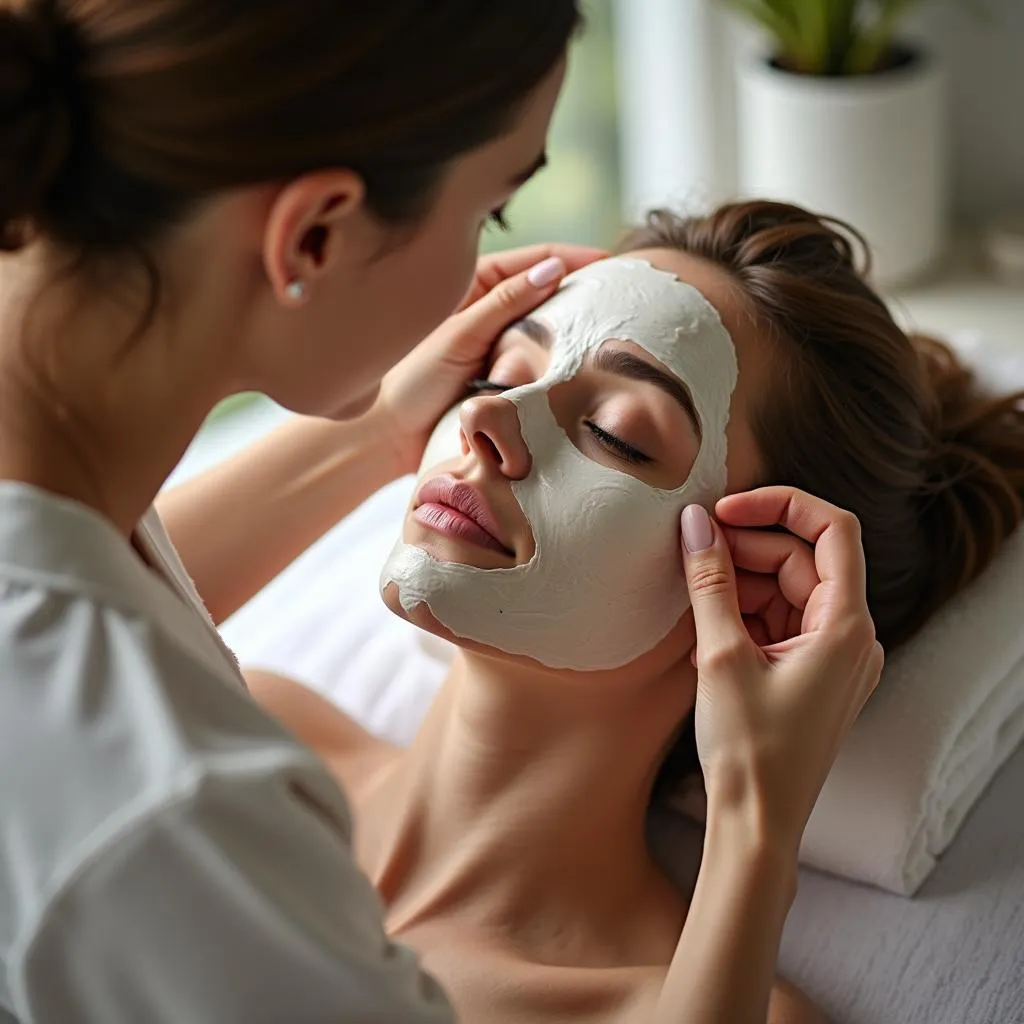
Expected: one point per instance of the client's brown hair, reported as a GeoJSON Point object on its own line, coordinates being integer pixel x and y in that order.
{"type": "Point", "coordinates": [887, 425]}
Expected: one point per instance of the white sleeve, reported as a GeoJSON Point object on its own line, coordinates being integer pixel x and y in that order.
{"type": "Point", "coordinates": [239, 903]}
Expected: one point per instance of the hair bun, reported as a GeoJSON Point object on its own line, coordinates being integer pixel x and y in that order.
{"type": "Point", "coordinates": [975, 494]}
{"type": "Point", "coordinates": [35, 119]}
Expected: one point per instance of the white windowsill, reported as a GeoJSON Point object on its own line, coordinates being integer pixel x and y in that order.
{"type": "Point", "coordinates": [964, 295]}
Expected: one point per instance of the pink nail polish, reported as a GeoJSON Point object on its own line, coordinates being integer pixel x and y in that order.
{"type": "Point", "coordinates": [697, 532]}
{"type": "Point", "coordinates": [546, 271]}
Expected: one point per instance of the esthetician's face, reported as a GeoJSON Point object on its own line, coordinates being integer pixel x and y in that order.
{"type": "Point", "coordinates": [625, 411]}
{"type": "Point", "coordinates": [382, 287]}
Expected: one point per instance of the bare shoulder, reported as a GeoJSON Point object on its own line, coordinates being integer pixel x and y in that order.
{"type": "Point", "coordinates": [351, 752]}
{"type": "Point", "coordinates": [788, 1005]}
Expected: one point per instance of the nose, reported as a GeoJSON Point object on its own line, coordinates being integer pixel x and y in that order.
{"type": "Point", "coordinates": [491, 431]}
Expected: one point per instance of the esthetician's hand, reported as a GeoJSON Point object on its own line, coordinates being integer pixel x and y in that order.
{"type": "Point", "coordinates": [433, 377]}
{"type": "Point", "coordinates": [770, 717]}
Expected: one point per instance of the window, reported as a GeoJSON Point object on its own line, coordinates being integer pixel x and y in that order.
{"type": "Point", "coordinates": [576, 198]}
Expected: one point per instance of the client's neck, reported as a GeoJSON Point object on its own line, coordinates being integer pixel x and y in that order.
{"type": "Point", "coordinates": [527, 791]}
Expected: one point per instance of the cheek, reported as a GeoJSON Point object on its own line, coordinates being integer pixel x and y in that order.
{"type": "Point", "coordinates": [439, 271]}
{"type": "Point", "coordinates": [445, 443]}
{"type": "Point", "coordinates": [745, 463]}
{"type": "Point", "coordinates": [404, 294]}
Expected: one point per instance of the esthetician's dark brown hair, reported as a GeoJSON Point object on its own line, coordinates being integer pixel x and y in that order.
{"type": "Point", "coordinates": [118, 116]}
{"type": "Point", "coordinates": [888, 425]}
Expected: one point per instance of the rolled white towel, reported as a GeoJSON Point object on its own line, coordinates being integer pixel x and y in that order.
{"type": "Point", "coordinates": [948, 712]}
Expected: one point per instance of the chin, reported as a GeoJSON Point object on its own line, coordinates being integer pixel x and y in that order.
{"type": "Point", "coordinates": [421, 617]}
{"type": "Point", "coordinates": [389, 595]}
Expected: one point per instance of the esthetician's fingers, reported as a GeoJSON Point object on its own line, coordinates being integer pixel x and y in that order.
{"type": "Point", "coordinates": [755, 625]}
{"type": "Point", "coordinates": [834, 533]}
{"type": "Point", "coordinates": [467, 337]}
{"type": "Point", "coordinates": [757, 631]}
{"type": "Point", "coordinates": [721, 634]}
{"type": "Point", "coordinates": [782, 556]}
{"type": "Point", "coordinates": [762, 600]}
{"type": "Point", "coordinates": [433, 377]}
{"type": "Point", "coordinates": [494, 268]}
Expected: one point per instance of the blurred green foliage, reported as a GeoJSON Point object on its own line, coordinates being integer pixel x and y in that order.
{"type": "Point", "coordinates": [830, 37]}
{"type": "Point", "coordinates": [576, 198]}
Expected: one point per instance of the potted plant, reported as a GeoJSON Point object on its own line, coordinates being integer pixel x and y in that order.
{"type": "Point", "coordinates": [844, 116]}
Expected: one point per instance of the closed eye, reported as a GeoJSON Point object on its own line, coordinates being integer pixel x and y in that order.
{"type": "Point", "coordinates": [609, 441]}
{"type": "Point", "coordinates": [617, 446]}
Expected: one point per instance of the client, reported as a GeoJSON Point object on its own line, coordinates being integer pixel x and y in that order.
{"type": "Point", "coordinates": [719, 354]}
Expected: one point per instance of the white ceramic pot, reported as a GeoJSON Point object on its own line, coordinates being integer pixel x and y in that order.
{"type": "Point", "coordinates": [869, 149]}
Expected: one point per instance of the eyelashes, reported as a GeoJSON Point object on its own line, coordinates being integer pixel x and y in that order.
{"type": "Point", "coordinates": [617, 445]}
{"type": "Point", "coordinates": [499, 219]}
{"type": "Point", "coordinates": [610, 442]}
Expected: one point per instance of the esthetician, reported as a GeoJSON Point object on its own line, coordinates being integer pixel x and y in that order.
{"type": "Point", "coordinates": [199, 198]}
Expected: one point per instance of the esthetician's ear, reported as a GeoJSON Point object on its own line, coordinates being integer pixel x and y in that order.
{"type": "Point", "coordinates": [305, 228]}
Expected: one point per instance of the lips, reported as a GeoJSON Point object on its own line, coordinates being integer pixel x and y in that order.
{"type": "Point", "coordinates": [457, 508]}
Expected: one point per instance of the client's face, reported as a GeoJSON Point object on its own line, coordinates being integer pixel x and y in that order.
{"type": "Point", "coordinates": [545, 523]}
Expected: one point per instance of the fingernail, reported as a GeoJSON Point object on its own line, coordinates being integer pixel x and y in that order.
{"type": "Point", "coordinates": [697, 533]}
{"type": "Point", "coordinates": [546, 271]}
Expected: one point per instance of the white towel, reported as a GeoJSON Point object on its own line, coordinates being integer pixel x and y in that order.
{"type": "Point", "coordinates": [948, 711]}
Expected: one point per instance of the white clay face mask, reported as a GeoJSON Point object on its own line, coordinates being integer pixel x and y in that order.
{"type": "Point", "coordinates": [604, 585]}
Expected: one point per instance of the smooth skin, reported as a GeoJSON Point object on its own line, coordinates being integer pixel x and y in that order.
{"type": "Point", "coordinates": [507, 842]}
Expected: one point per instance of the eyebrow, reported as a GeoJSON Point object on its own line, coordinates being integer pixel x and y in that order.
{"type": "Point", "coordinates": [534, 330]}
{"type": "Point", "coordinates": [525, 175]}
{"type": "Point", "coordinates": [625, 364]}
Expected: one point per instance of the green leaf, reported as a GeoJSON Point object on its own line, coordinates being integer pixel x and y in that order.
{"type": "Point", "coordinates": [833, 37]}
{"type": "Point", "coordinates": [775, 21]}
{"type": "Point", "coordinates": [842, 31]}
{"type": "Point", "coordinates": [868, 51]}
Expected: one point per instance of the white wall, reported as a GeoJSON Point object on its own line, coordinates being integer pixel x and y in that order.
{"type": "Point", "coordinates": [676, 96]}
{"type": "Point", "coordinates": [984, 55]}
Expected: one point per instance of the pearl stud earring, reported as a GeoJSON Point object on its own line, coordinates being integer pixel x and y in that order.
{"type": "Point", "coordinates": [296, 290]}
